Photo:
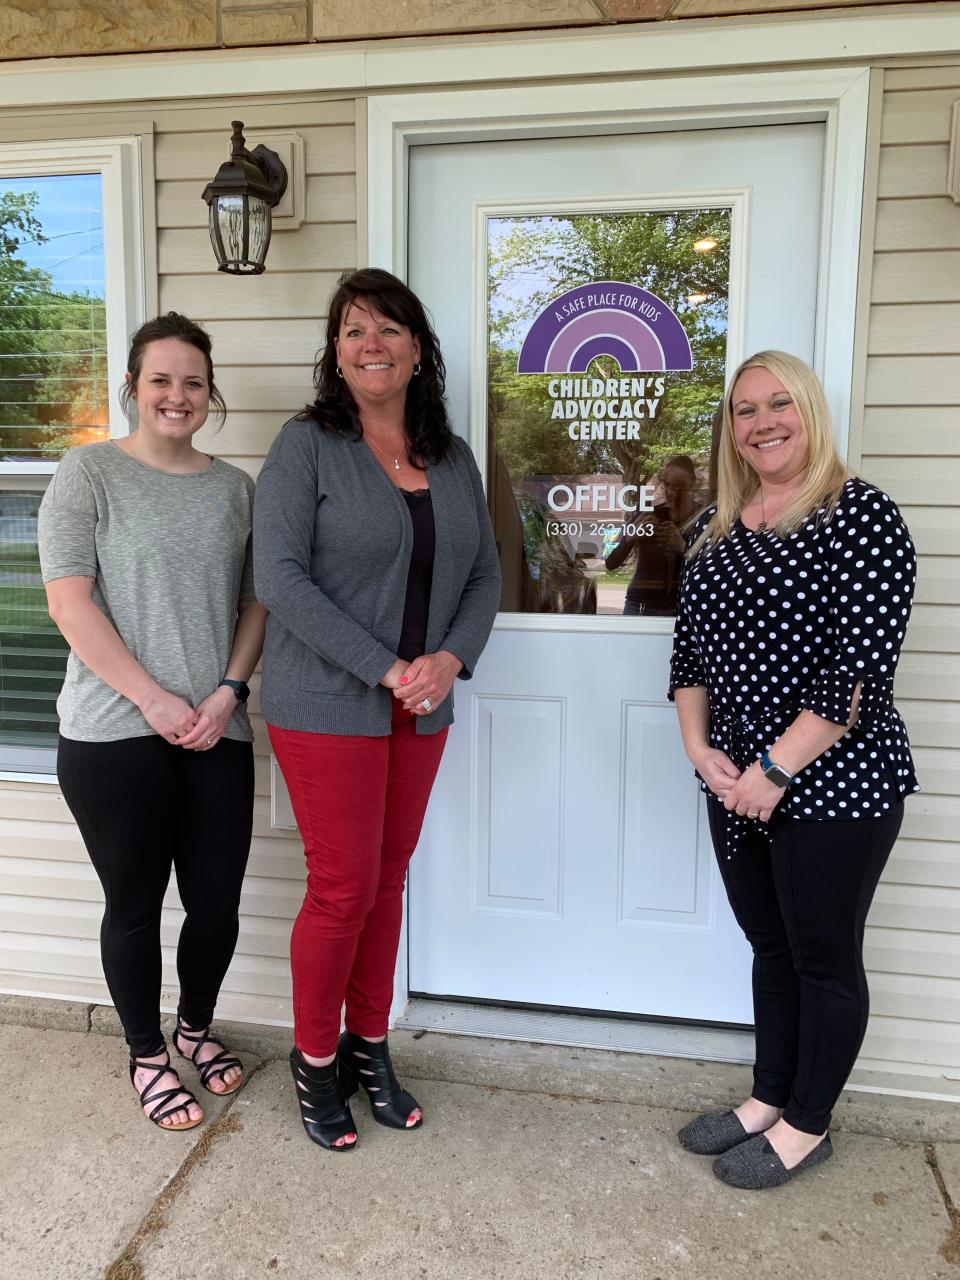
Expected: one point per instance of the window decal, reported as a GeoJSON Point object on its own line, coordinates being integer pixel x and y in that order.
{"type": "Point", "coordinates": [608, 318]}
{"type": "Point", "coordinates": [606, 349]}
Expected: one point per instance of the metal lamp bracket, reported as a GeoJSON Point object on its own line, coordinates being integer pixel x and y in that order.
{"type": "Point", "coordinates": [291, 210]}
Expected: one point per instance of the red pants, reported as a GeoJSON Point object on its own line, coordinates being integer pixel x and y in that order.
{"type": "Point", "coordinates": [359, 804]}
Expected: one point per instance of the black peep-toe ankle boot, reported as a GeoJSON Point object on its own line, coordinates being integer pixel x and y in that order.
{"type": "Point", "coordinates": [323, 1108]}
{"type": "Point", "coordinates": [367, 1063]}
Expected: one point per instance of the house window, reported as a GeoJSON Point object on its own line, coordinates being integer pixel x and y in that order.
{"type": "Point", "coordinates": [71, 290]}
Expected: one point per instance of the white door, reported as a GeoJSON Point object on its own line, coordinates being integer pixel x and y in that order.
{"type": "Point", "coordinates": [565, 860]}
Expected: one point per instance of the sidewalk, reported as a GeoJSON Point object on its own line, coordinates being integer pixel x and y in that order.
{"type": "Point", "coordinates": [533, 1162]}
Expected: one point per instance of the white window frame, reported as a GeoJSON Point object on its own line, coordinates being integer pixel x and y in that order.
{"type": "Point", "coordinates": [118, 160]}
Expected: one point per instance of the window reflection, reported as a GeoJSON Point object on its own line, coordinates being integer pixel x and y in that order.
{"type": "Point", "coordinates": [53, 336]}
{"type": "Point", "coordinates": [656, 547]}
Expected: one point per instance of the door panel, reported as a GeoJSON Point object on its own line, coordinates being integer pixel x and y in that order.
{"type": "Point", "coordinates": [657, 816]}
{"type": "Point", "coordinates": [518, 850]}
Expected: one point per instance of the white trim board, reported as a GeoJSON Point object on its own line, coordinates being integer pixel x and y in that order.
{"type": "Point", "coordinates": [580, 1030]}
{"type": "Point", "coordinates": [701, 1042]}
{"type": "Point", "coordinates": [902, 31]}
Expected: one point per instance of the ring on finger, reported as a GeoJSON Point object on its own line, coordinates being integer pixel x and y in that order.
{"type": "Point", "coordinates": [426, 704]}
{"type": "Point", "coordinates": [753, 815]}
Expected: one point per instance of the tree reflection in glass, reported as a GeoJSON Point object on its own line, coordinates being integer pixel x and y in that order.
{"type": "Point", "coordinates": [600, 556]}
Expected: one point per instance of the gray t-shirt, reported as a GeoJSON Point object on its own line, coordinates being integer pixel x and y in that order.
{"type": "Point", "coordinates": [171, 558]}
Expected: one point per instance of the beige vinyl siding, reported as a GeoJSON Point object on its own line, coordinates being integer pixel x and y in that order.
{"type": "Point", "coordinates": [911, 448]}
{"type": "Point", "coordinates": [266, 331]}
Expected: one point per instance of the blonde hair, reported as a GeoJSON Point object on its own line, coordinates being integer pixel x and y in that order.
{"type": "Point", "coordinates": [737, 482]}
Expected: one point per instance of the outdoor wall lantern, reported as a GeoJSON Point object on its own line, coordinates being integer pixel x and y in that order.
{"type": "Point", "coordinates": [240, 198]}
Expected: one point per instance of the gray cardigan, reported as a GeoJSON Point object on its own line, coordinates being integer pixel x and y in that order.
{"type": "Point", "coordinates": [332, 542]}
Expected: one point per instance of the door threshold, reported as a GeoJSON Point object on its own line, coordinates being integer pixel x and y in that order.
{"type": "Point", "coordinates": [577, 1030]}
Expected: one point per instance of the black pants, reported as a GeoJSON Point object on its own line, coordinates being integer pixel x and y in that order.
{"type": "Point", "coordinates": [142, 806]}
{"type": "Point", "coordinates": [801, 897]}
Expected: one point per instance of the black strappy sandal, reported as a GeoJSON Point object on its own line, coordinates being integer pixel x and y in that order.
{"type": "Point", "coordinates": [367, 1063]}
{"type": "Point", "coordinates": [217, 1066]}
{"type": "Point", "coordinates": [161, 1100]}
{"type": "Point", "coordinates": [323, 1108]}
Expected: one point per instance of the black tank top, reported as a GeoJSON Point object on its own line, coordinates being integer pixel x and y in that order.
{"type": "Point", "coordinates": [416, 609]}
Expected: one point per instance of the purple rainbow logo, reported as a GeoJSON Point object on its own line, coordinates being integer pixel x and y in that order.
{"type": "Point", "coordinates": [608, 318]}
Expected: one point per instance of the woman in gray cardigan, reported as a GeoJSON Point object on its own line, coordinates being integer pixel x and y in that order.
{"type": "Point", "coordinates": [374, 553]}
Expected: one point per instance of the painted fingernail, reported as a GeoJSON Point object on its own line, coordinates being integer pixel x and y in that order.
{"type": "Point", "coordinates": [404, 680]}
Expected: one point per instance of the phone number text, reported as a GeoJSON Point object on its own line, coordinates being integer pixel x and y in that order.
{"type": "Point", "coordinates": [597, 529]}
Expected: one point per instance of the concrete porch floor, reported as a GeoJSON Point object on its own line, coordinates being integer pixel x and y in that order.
{"type": "Point", "coordinates": [534, 1161]}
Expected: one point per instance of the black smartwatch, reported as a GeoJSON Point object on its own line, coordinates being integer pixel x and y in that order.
{"type": "Point", "coordinates": [240, 688]}
{"type": "Point", "coordinates": [775, 772]}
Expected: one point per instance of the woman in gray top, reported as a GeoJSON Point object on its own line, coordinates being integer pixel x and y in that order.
{"type": "Point", "coordinates": [375, 557]}
{"type": "Point", "coordinates": [145, 552]}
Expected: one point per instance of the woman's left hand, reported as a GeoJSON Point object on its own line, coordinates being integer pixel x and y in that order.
{"type": "Point", "coordinates": [214, 715]}
{"type": "Point", "coordinates": [428, 678]}
{"type": "Point", "coordinates": [753, 795]}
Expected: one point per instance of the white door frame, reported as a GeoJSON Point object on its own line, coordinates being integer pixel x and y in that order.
{"type": "Point", "coordinates": [838, 96]}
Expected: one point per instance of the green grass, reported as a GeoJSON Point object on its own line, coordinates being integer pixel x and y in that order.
{"type": "Point", "coordinates": [615, 579]}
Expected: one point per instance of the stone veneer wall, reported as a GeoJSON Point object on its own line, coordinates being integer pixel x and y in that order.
{"type": "Point", "coordinates": [63, 28]}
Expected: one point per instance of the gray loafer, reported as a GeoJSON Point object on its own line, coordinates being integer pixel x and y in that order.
{"type": "Point", "coordinates": [713, 1133]}
{"type": "Point", "coordinates": [754, 1165]}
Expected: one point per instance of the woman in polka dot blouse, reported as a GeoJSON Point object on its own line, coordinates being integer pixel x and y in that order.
{"type": "Point", "coordinates": [793, 607]}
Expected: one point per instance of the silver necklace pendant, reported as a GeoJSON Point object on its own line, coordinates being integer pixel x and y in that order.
{"type": "Point", "coordinates": [383, 452]}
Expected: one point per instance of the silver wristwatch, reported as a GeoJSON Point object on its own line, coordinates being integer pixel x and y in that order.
{"type": "Point", "coordinates": [775, 772]}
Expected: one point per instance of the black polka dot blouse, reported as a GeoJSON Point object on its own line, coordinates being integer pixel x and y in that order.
{"type": "Point", "coordinates": [772, 626]}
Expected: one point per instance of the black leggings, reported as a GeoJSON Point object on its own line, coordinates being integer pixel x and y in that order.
{"type": "Point", "coordinates": [142, 806]}
{"type": "Point", "coordinates": [801, 897]}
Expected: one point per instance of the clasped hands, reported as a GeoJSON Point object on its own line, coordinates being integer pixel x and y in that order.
{"type": "Point", "coordinates": [428, 678]}
{"type": "Point", "coordinates": [750, 794]}
{"type": "Point", "coordinates": [195, 728]}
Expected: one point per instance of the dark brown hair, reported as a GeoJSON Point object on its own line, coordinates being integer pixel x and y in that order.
{"type": "Point", "coordinates": [172, 325]}
{"type": "Point", "coordinates": [427, 425]}
{"type": "Point", "coordinates": [684, 462]}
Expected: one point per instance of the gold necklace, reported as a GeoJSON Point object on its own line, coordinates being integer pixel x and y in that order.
{"type": "Point", "coordinates": [396, 461]}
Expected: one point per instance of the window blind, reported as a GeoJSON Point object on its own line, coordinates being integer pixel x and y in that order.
{"type": "Point", "coordinates": [53, 395]}
{"type": "Point", "coordinates": [33, 653]}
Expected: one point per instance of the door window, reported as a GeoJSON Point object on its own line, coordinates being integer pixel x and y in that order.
{"type": "Point", "coordinates": [606, 347]}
